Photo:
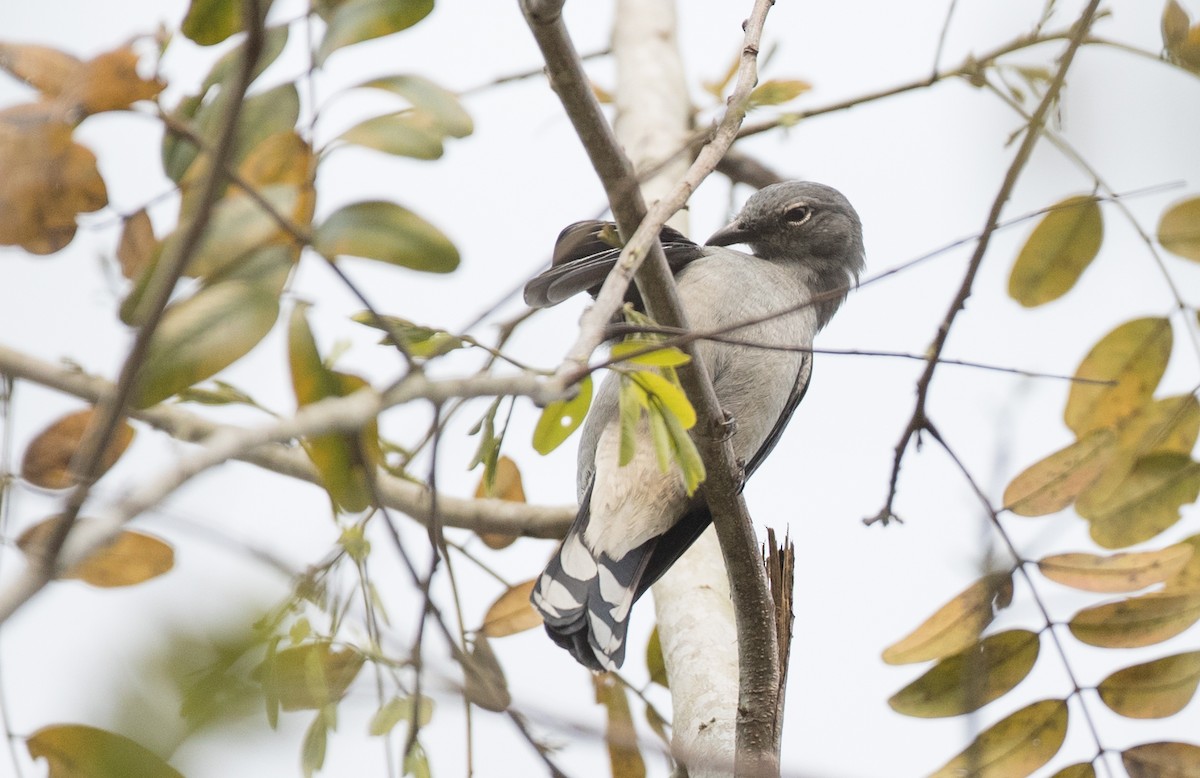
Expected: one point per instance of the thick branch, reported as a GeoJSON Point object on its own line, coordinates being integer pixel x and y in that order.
{"type": "Point", "coordinates": [756, 640]}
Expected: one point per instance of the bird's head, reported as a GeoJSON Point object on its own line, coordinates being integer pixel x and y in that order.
{"type": "Point", "coordinates": [799, 220]}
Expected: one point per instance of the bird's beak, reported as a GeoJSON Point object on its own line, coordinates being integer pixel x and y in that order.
{"type": "Point", "coordinates": [728, 235]}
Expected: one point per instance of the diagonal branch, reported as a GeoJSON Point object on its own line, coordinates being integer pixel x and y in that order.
{"type": "Point", "coordinates": [920, 420]}
{"type": "Point", "coordinates": [757, 748]}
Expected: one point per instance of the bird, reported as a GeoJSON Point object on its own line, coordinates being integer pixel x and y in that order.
{"type": "Point", "coordinates": [634, 521]}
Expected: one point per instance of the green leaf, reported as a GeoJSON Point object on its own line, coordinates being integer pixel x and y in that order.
{"type": "Point", "coordinates": [631, 403]}
{"type": "Point", "coordinates": [309, 677]}
{"type": "Point", "coordinates": [1014, 746]}
{"type": "Point", "coordinates": [212, 21]}
{"type": "Point", "coordinates": [691, 466]}
{"type": "Point", "coordinates": [416, 763]}
{"type": "Point", "coordinates": [359, 20]}
{"type": "Point", "coordinates": [1144, 503]}
{"type": "Point", "coordinates": [1118, 572]}
{"type": "Point", "coordinates": [1162, 760]}
{"type": "Point", "coordinates": [957, 624]}
{"type": "Point", "coordinates": [1179, 229]}
{"type": "Point", "coordinates": [1077, 770]}
{"type": "Point", "coordinates": [1057, 252]}
{"type": "Point", "coordinates": [1134, 356]}
{"type": "Point", "coordinates": [655, 662]}
{"type": "Point", "coordinates": [1137, 621]}
{"type": "Point", "coordinates": [441, 105]}
{"type": "Point", "coordinates": [666, 356]}
{"type": "Point", "coordinates": [274, 39]}
{"type": "Point", "coordinates": [399, 709]}
{"type": "Point", "coordinates": [972, 678]}
{"type": "Point", "coordinates": [663, 451]}
{"type": "Point", "coordinates": [1053, 483]}
{"type": "Point", "coordinates": [388, 233]}
{"type": "Point", "coordinates": [312, 753]}
{"type": "Point", "coordinates": [238, 225]}
{"type": "Point", "coordinates": [561, 417]}
{"type": "Point", "coordinates": [419, 341]}
{"type": "Point", "coordinates": [343, 461]}
{"type": "Point", "coordinates": [406, 133]}
{"type": "Point", "coordinates": [202, 335]}
{"type": "Point", "coordinates": [1153, 690]}
{"type": "Point", "coordinates": [79, 751]}
{"type": "Point", "coordinates": [777, 92]}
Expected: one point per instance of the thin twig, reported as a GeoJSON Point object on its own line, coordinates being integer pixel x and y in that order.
{"type": "Point", "coordinates": [86, 462]}
{"type": "Point", "coordinates": [919, 420]}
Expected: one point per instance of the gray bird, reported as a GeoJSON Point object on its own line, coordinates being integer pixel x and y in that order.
{"type": "Point", "coordinates": [634, 520]}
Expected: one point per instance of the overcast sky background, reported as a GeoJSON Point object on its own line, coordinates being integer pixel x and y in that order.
{"type": "Point", "coordinates": [922, 170]}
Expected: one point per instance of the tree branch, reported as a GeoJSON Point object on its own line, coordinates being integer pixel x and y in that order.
{"type": "Point", "coordinates": [758, 669]}
{"type": "Point", "coordinates": [919, 420]}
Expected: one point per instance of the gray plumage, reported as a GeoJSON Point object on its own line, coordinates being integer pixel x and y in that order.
{"type": "Point", "coordinates": [634, 521]}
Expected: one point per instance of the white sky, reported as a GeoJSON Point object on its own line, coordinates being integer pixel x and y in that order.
{"type": "Point", "coordinates": [921, 169]}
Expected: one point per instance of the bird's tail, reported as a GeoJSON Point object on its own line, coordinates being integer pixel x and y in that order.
{"type": "Point", "coordinates": [585, 598]}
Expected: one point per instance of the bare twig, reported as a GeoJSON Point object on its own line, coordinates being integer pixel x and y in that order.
{"type": "Point", "coordinates": [86, 463]}
{"type": "Point", "coordinates": [919, 420]}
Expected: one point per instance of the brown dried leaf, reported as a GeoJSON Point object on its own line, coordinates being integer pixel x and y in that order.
{"type": "Point", "coordinates": [47, 70]}
{"type": "Point", "coordinates": [511, 612]}
{"type": "Point", "coordinates": [957, 624]}
{"type": "Point", "coordinates": [47, 460]}
{"type": "Point", "coordinates": [1053, 483]}
{"type": "Point", "coordinates": [1118, 572]}
{"type": "Point", "coordinates": [110, 82]}
{"type": "Point", "coordinates": [1162, 760]}
{"type": "Point", "coordinates": [1014, 746]}
{"type": "Point", "coordinates": [507, 485]}
{"type": "Point", "coordinates": [1137, 621]}
{"type": "Point", "coordinates": [625, 759]}
{"type": "Point", "coordinates": [131, 558]}
{"type": "Point", "coordinates": [1153, 690]}
{"type": "Point", "coordinates": [48, 179]}
{"type": "Point", "coordinates": [484, 683]}
{"type": "Point", "coordinates": [138, 246]}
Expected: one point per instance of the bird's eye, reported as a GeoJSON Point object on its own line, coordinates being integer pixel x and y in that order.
{"type": "Point", "coordinates": [797, 214]}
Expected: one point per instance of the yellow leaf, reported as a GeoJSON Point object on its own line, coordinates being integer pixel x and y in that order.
{"type": "Point", "coordinates": [1014, 746]}
{"type": "Point", "coordinates": [1166, 426]}
{"type": "Point", "coordinates": [131, 558]}
{"type": "Point", "coordinates": [48, 179]}
{"type": "Point", "coordinates": [1179, 229]}
{"type": "Point", "coordinates": [399, 709]}
{"type": "Point", "coordinates": [1162, 760]}
{"type": "Point", "coordinates": [1057, 252]}
{"type": "Point", "coordinates": [284, 158]}
{"type": "Point", "coordinates": [665, 356]}
{"type": "Point", "coordinates": [1137, 621]}
{"type": "Point", "coordinates": [625, 759]}
{"type": "Point", "coordinates": [47, 460]}
{"type": "Point", "coordinates": [776, 92]}
{"type": "Point", "coordinates": [511, 612]}
{"type": "Point", "coordinates": [957, 624]}
{"type": "Point", "coordinates": [1077, 770]}
{"type": "Point", "coordinates": [1116, 573]}
{"type": "Point", "coordinates": [1189, 576]}
{"type": "Point", "coordinates": [1153, 690]}
{"type": "Point", "coordinates": [562, 417]}
{"type": "Point", "coordinates": [79, 751]}
{"type": "Point", "coordinates": [669, 394]}
{"type": "Point", "coordinates": [972, 678]}
{"type": "Point", "coordinates": [354, 21]}
{"type": "Point", "coordinates": [1134, 356]}
{"type": "Point", "coordinates": [1144, 503]}
{"type": "Point", "coordinates": [1053, 483]}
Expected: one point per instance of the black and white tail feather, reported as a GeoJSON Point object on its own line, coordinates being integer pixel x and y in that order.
{"type": "Point", "coordinates": [587, 590]}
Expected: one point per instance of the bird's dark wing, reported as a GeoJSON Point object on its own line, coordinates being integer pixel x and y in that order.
{"type": "Point", "coordinates": [668, 547]}
{"type": "Point", "coordinates": [584, 254]}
